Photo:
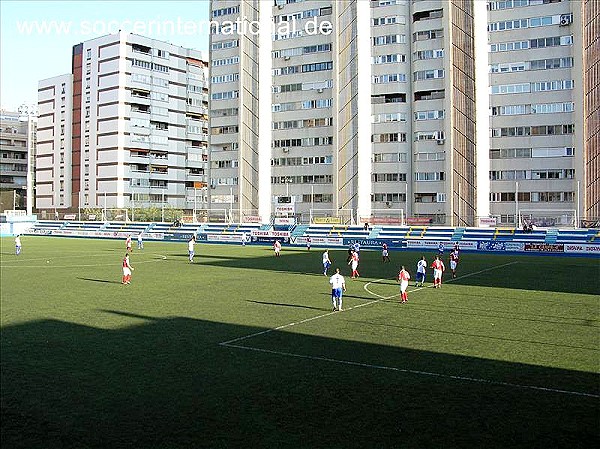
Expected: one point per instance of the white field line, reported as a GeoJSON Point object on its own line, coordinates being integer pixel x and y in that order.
{"type": "Point", "coordinates": [231, 344]}
{"type": "Point", "coordinates": [384, 298]}
{"type": "Point", "coordinates": [417, 372]}
{"type": "Point", "coordinates": [50, 264]}
{"type": "Point", "coordinates": [374, 301]}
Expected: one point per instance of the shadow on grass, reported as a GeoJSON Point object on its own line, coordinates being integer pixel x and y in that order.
{"type": "Point", "coordinates": [169, 383]}
{"type": "Point", "coordinates": [99, 280]}
{"type": "Point", "coordinates": [511, 272]}
{"type": "Point", "coordinates": [286, 305]}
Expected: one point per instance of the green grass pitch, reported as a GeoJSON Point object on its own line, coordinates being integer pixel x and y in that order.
{"type": "Point", "coordinates": [241, 349]}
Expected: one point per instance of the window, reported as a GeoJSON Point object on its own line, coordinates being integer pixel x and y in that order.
{"type": "Point", "coordinates": [225, 95]}
{"type": "Point", "coordinates": [389, 78]}
{"type": "Point", "coordinates": [315, 67]}
{"type": "Point", "coordinates": [388, 20]}
{"type": "Point", "coordinates": [225, 61]}
{"type": "Point", "coordinates": [225, 78]}
{"type": "Point", "coordinates": [389, 39]}
{"type": "Point", "coordinates": [427, 15]}
{"type": "Point", "coordinates": [429, 176]}
{"type": "Point", "coordinates": [429, 115]}
{"type": "Point", "coordinates": [388, 137]}
{"type": "Point", "coordinates": [388, 177]}
{"type": "Point", "coordinates": [428, 74]}
{"type": "Point", "coordinates": [428, 54]}
{"type": "Point", "coordinates": [388, 59]}
{"type": "Point", "coordinates": [225, 44]}
{"type": "Point", "coordinates": [427, 35]}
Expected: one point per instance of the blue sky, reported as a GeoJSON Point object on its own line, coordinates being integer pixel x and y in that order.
{"type": "Point", "coordinates": [36, 37]}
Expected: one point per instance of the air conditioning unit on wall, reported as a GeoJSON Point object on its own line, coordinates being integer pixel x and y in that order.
{"type": "Point", "coordinates": [566, 19]}
{"type": "Point", "coordinates": [285, 150]}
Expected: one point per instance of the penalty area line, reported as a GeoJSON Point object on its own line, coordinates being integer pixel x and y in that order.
{"type": "Point", "coordinates": [295, 323]}
{"type": "Point", "coordinates": [411, 371]}
{"type": "Point", "coordinates": [385, 298]}
{"type": "Point", "coordinates": [374, 301]}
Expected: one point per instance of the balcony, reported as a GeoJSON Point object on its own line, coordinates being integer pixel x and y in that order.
{"type": "Point", "coordinates": [202, 110]}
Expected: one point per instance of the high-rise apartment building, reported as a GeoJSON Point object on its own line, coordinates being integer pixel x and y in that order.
{"type": "Point", "coordinates": [366, 112]}
{"type": "Point", "coordinates": [127, 128]}
{"type": "Point", "coordinates": [367, 109]}
{"type": "Point", "coordinates": [17, 149]}
{"type": "Point", "coordinates": [537, 119]}
{"type": "Point", "coordinates": [591, 109]}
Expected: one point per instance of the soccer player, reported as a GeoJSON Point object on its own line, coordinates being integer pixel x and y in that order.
{"type": "Point", "coordinates": [354, 265]}
{"type": "Point", "coordinates": [18, 244]}
{"type": "Point", "coordinates": [384, 253]}
{"type": "Point", "coordinates": [337, 287]}
{"type": "Point", "coordinates": [403, 278]}
{"type": "Point", "coordinates": [277, 248]}
{"type": "Point", "coordinates": [326, 262]}
{"type": "Point", "coordinates": [191, 253]}
{"type": "Point", "coordinates": [421, 267]}
{"type": "Point", "coordinates": [128, 244]}
{"type": "Point", "coordinates": [441, 249]}
{"type": "Point", "coordinates": [438, 269]}
{"type": "Point", "coordinates": [356, 247]}
{"type": "Point", "coordinates": [453, 262]}
{"type": "Point", "coordinates": [127, 269]}
{"type": "Point", "coordinates": [243, 239]}
{"type": "Point", "coordinates": [308, 241]}
{"type": "Point", "coordinates": [140, 240]}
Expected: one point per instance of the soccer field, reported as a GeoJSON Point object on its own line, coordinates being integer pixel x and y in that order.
{"type": "Point", "coordinates": [241, 349]}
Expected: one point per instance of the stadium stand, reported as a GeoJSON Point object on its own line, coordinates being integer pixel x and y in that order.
{"type": "Point", "coordinates": [47, 225]}
{"type": "Point", "coordinates": [83, 225]}
{"type": "Point", "coordinates": [416, 232]}
{"type": "Point", "coordinates": [503, 235]}
{"type": "Point", "coordinates": [216, 228]}
{"type": "Point", "coordinates": [577, 236]}
{"type": "Point", "coordinates": [398, 234]}
{"type": "Point", "coordinates": [328, 230]}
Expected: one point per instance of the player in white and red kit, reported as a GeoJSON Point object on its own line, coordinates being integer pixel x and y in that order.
{"type": "Point", "coordinates": [354, 265]}
{"type": "Point", "coordinates": [385, 256]}
{"type": "Point", "coordinates": [438, 269]}
{"type": "Point", "coordinates": [277, 248]}
{"type": "Point", "coordinates": [128, 244]}
{"type": "Point", "coordinates": [127, 269]}
{"type": "Point", "coordinates": [403, 278]}
{"type": "Point", "coordinates": [453, 262]}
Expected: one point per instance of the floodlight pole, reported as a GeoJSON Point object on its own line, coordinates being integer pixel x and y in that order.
{"type": "Point", "coordinates": [195, 203]}
{"type": "Point", "coordinates": [312, 201]}
{"type": "Point", "coordinates": [162, 215]}
{"type": "Point", "coordinates": [577, 207]}
{"type": "Point", "coordinates": [517, 221]}
{"type": "Point", "coordinates": [405, 201]}
{"type": "Point", "coordinates": [458, 206]}
{"type": "Point", "coordinates": [230, 204]}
